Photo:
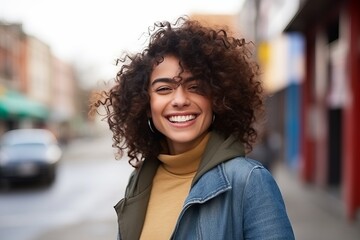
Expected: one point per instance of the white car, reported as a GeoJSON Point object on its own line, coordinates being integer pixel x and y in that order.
{"type": "Point", "coordinates": [29, 154]}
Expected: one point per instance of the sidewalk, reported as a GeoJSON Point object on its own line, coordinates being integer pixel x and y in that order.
{"type": "Point", "coordinates": [314, 214]}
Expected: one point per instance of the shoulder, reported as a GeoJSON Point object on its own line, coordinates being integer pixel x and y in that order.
{"type": "Point", "coordinates": [242, 165]}
{"type": "Point", "coordinates": [246, 171]}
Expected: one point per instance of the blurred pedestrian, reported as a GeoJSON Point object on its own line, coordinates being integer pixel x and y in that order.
{"type": "Point", "coordinates": [183, 111]}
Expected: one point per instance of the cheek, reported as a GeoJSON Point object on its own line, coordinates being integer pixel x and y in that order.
{"type": "Point", "coordinates": [206, 106]}
{"type": "Point", "coordinates": [156, 107]}
{"type": "Point", "coordinates": [210, 111]}
{"type": "Point", "coordinates": [209, 117]}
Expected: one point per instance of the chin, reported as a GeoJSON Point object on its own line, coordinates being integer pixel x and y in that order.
{"type": "Point", "coordinates": [185, 137]}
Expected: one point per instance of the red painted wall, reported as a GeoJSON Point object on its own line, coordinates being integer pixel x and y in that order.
{"type": "Point", "coordinates": [352, 117]}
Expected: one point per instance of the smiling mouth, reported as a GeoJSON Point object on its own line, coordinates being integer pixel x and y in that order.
{"type": "Point", "coordinates": [182, 118]}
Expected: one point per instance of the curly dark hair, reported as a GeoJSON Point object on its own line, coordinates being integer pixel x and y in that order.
{"type": "Point", "coordinates": [224, 65]}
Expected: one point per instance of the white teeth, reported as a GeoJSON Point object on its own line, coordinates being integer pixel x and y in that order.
{"type": "Point", "coordinates": [181, 118]}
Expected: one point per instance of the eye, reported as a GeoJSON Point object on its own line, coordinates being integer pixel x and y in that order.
{"type": "Point", "coordinates": [194, 87]}
{"type": "Point", "coordinates": [163, 90]}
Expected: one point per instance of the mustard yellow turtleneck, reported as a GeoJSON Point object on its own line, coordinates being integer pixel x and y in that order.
{"type": "Point", "coordinates": [171, 186]}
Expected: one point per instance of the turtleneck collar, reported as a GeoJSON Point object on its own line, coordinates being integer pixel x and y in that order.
{"type": "Point", "coordinates": [187, 162]}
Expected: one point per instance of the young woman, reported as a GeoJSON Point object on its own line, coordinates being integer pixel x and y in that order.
{"type": "Point", "coordinates": [184, 111]}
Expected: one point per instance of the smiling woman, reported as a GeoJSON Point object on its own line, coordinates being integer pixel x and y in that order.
{"type": "Point", "coordinates": [184, 111]}
{"type": "Point", "coordinates": [178, 110]}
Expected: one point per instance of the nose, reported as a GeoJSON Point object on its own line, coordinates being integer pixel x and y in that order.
{"type": "Point", "coordinates": [180, 98]}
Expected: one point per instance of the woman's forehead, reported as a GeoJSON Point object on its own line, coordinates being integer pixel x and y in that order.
{"type": "Point", "coordinates": [171, 68]}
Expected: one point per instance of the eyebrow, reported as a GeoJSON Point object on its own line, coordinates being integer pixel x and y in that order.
{"type": "Point", "coordinates": [163, 80]}
{"type": "Point", "coordinates": [172, 80]}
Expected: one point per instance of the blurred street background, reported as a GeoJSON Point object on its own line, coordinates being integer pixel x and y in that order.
{"type": "Point", "coordinates": [54, 54]}
{"type": "Point", "coordinates": [79, 205]}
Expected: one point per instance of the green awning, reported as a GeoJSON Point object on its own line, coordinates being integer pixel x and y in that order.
{"type": "Point", "coordinates": [16, 105]}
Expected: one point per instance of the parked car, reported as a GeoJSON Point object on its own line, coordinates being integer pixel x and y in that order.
{"type": "Point", "coordinates": [29, 154]}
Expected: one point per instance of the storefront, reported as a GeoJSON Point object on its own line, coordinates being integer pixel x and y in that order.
{"type": "Point", "coordinates": [330, 92]}
{"type": "Point", "coordinates": [15, 107]}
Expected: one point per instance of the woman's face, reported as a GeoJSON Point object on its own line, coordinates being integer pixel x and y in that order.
{"type": "Point", "coordinates": [178, 111]}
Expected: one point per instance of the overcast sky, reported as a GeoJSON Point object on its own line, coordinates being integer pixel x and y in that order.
{"type": "Point", "coordinates": [95, 32]}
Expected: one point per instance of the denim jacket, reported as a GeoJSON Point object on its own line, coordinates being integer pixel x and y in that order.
{"type": "Point", "coordinates": [231, 198]}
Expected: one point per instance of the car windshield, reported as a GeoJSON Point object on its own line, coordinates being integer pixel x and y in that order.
{"type": "Point", "coordinates": [25, 150]}
{"type": "Point", "coordinates": [27, 136]}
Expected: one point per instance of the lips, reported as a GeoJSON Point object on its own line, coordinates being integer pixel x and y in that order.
{"type": "Point", "coordinates": [181, 118]}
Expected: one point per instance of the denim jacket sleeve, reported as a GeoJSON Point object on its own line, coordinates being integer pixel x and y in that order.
{"type": "Point", "coordinates": [265, 214]}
